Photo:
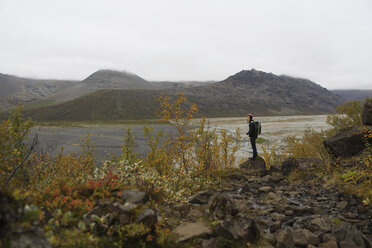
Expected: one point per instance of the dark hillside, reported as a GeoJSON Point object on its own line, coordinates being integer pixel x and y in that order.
{"type": "Point", "coordinates": [247, 91]}
{"type": "Point", "coordinates": [102, 105]}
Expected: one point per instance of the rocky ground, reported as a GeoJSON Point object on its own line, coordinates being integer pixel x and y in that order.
{"type": "Point", "coordinates": [254, 207]}
{"type": "Point", "coordinates": [262, 209]}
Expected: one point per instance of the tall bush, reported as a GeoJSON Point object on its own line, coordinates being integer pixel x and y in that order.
{"type": "Point", "coordinates": [14, 151]}
{"type": "Point", "coordinates": [347, 115]}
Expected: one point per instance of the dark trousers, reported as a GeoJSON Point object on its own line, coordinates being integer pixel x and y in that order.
{"type": "Point", "coordinates": [253, 143]}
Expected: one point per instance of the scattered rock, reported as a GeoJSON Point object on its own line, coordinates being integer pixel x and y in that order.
{"type": "Point", "coordinates": [148, 217]}
{"type": "Point", "coordinates": [195, 213]}
{"type": "Point", "coordinates": [342, 205]}
{"type": "Point", "coordinates": [256, 164]}
{"type": "Point", "coordinates": [264, 189]}
{"type": "Point", "coordinates": [283, 239]}
{"type": "Point", "coordinates": [319, 224]}
{"type": "Point", "coordinates": [107, 213]}
{"type": "Point", "coordinates": [275, 226]}
{"type": "Point", "coordinates": [310, 237]}
{"type": "Point", "coordinates": [355, 236]}
{"type": "Point", "coordinates": [241, 229]}
{"type": "Point", "coordinates": [222, 206]}
{"type": "Point", "coordinates": [347, 244]}
{"type": "Point", "coordinates": [368, 240]}
{"type": "Point", "coordinates": [276, 177]}
{"type": "Point", "coordinates": [329, 244]}
{"type": "Point", "coordinates": [189, 230]}
{"type": "Point", "coordinates": [299, 239]}
{"type": "Point", "coordinates": [266, 178]}
{"type": "Point", "coordinates": [237, 176]}
{"type": "Point", "coordinates": [306, 163]}
{"type": "Point", "coordinates": [245, 188]}
{"type": "Point", "coordinates": [340, 232]}
{"type": "Point", "coordinates": [289, 212]}
{"type": "Point", "coordinates": [277, 216]}
{"type": "Point", "coordinates": [270, 238]}
{"type": "Point", "coordinates": [275, 168]}
{"type": "Point", "coordinates": [273, 178]}
{"type": "Point", "coordinates": [288, 166]}
{"type": "Point", "coordinates": [328, 237]}
{"type": "Point", "coordinates": [350, 215]}
{"type": "Point", "coordinates": [134, 196]}
{"type": "Point", "coordinates": [302, 210]}
{"type": "Point", "coordinates": [211, 243]}
{"type": "Point", "coordinates": [201, 197]}
{"type": "Point", "coordinates": [274, 197]}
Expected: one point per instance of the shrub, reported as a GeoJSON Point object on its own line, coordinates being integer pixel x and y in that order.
{"type": "Point", "coordinates": [64, 169]}
{"type": "Point", "coordinates": [347, 115]}
{"type": "Point", "coordinates": [309, 146]}
{"type": "Point", "coordinates": [275, 156]}
{"type": "Point", "coordinates": [181, 163]}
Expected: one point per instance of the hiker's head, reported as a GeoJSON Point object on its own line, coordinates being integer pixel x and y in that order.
{"type": "Point", "coordinates": [250, 117]}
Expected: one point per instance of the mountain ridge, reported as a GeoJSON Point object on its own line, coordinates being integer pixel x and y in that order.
{"type": "Point", "coordinates": [15, 90]}
{"type": "Point", "coordinates": [353, 94]}
{"type": "Point", "coordinates": [246, 91]}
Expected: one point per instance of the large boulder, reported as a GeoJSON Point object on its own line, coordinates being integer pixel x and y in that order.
{"type": "Point", "coordinates": [257, 164]}
{"type": "Point", "coordinates": [367, 113]}
{"type": "Point", "coordinates": [347, 143]}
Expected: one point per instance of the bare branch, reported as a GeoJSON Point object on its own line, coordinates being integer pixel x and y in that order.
{"type": "Point", "coordinates": [35, 141]}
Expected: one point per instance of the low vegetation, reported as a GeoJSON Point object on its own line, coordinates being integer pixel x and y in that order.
{"type": "Point", "coordinates": [68, 186]}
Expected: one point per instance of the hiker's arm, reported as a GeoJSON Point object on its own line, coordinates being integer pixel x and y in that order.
{"type": "Point", "coordinates": [251, 129]}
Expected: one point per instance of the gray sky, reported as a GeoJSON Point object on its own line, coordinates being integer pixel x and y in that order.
{"type": "Point", "coordinates": [327, 41]}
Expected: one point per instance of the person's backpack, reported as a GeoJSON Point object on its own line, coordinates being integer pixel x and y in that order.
{"type": "Point", "coordinates": [258, 127]}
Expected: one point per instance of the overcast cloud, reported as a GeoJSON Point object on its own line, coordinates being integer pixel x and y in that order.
{"type": "Point", "coordinates": [327, 41]}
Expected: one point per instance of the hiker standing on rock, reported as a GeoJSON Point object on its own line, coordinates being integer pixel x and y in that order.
{"type": "Point", "coordinates": [252, 133]}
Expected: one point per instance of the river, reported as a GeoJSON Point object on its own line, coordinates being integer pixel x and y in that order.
{"type": "Point", "coordinates": [107, 139]}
